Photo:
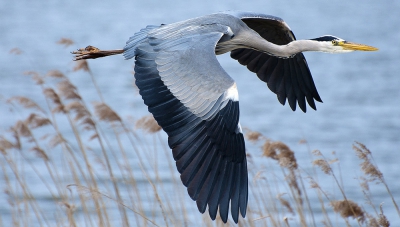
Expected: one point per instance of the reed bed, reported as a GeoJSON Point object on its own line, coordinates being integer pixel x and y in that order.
{"type": "Point", "coordinates": [70, 163]}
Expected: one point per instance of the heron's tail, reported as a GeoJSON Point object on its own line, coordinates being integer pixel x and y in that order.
{"type": "Point", "coordinates": [91, 52]}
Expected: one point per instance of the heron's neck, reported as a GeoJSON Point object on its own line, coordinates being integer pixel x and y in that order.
{"type": "Point", "coordinates": [287, 50]}
{"type": "Point", "coordinates": [304, 45]}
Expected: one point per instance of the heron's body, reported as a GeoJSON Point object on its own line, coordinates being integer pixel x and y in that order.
{"type": "Point", "coordinates": [196, 102]}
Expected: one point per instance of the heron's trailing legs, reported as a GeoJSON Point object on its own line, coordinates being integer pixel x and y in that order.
{"type": "Point", "coordinates": [91, 52]}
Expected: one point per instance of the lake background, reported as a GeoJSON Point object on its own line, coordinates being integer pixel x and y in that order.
{"type": "Point", "coordinates": [361, 91]}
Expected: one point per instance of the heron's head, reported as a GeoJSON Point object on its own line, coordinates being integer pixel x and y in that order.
{"type": "Point", "coordinates": [333, 44]}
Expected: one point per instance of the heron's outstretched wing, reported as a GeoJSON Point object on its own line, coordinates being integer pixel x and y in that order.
{"type": "Point", "coordinates": [288, 78]}
{"type": "Point", "coordinates": [196, 103]}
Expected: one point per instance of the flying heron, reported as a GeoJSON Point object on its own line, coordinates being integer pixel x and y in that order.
{"type": "Point", "coordinates": [196, 102]}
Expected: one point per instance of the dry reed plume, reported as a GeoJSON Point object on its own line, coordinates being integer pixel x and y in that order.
{"type": "Point", "coordinates": [105, 113]}
{"type": "Point", "coordinates": [367, 166]}
{"type": "Point", "coordinates": [324, 165]}
{"type": "Point", "coordinates": [253, 136]}
{"type": "Point", "coordinates": [148, 124]}
{"type": "Point", "coordinates": [66, 42]}
{"type": "Point", "coordinates": [280, 152]}
{"type": "Point", "coordinates": [348, 208]}
{"type": "Point", "coordinates": [26, 103]}
{"type": "Point", "coordinates": [15, 51]}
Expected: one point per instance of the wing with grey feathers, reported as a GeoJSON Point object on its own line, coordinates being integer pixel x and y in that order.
{"type": "Point", "coordinates": [190, 96]}
{"type": "Point", "coordinates": [188, 67]}
{"type": "Point", "coordinates": [288, 78]}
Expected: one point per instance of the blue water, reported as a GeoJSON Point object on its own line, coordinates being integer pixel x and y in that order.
{"type": "Point", "coordinates": [360, 90]}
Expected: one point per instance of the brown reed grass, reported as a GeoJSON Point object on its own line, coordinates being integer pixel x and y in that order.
{"type": "Point", "coordinates": [105, 113]}
{"type": "Point", "coordinates": [253, 136]}
{"type": "Point", "coordinates": [348, 208]}
{"type": "Point", "coordinates": [280, 152]}
{"type": "Point", "coordinates": [66, 42]}
{"type": "Point", "coordinates": [15, 51]}
{"type": "Point", "coordinates": [382, 219]}
{"type": "Point", "coordinates": [26, 103]}
{"type": "Point", "coordinates": [148, 124]}
{"type": "Point", "coordinates": [68, 155]}
{"type": "Point", "coordinates": [81, 65]}
{"type": "Point", "coordinates": [35, 76]}
{"type": "Point", "coordinates": [371, 170]}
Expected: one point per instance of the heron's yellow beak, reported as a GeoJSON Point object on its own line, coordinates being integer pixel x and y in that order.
{"type": "Point", "coordinates": [355, 46]}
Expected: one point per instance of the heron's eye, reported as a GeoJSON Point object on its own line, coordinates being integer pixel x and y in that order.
{"type": "Point", "coordinates": [335, 42]}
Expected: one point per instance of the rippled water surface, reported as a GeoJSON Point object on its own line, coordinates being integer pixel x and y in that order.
{"type": "Point", "coordinates": [360, 90]}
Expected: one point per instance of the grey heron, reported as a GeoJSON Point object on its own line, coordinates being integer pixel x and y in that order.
{"type": "Point", "coordinates": [196, 102]}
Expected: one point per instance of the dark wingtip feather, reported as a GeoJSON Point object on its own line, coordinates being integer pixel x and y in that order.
{"type": "Point", "coordinates": [243, 195]}
{"type": "Point", "coordinates": [302, 104]}
{"type": "Point", "coordinates": [292, 103]}
{"type": "Point", "coordinates": [235, 194]}
{"type": "Point", "coordinates": [311, 102]}
{"type": "Point", "coordinates": [216, 192]}
{"type": "Point", "coordinates": [226, 192]}
{"type": "Point", "coordinates": [282, 99]}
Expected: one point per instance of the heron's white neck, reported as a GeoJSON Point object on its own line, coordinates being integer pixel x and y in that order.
{"type": "Point", "coordinates": [298, 46]}
{"type": "Point", "coordinates": [287, 50]}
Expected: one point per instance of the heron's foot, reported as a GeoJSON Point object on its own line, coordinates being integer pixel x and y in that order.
{"type": "Point", "coordinates": [85, 53]}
